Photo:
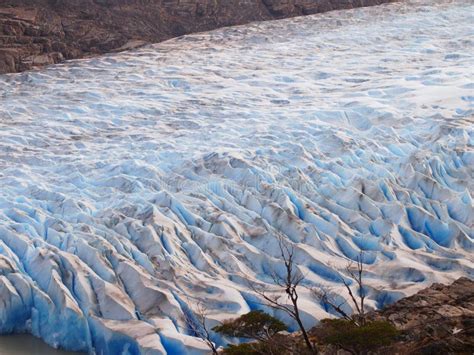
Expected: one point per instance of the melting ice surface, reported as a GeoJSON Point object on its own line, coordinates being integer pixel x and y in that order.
{"type": "Point", "coordinates": [134, 185]}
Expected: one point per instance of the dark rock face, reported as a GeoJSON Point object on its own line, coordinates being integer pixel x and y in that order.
{"type": "Point", "coordinates": [436, 320]}
{"type": "Point", "coordinates": [41, 32]}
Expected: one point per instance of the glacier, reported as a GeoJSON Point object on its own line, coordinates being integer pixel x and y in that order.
{"type": "Point", "coordinates": [134, 185]}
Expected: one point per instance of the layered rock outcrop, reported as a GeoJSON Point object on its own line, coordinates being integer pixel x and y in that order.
{"type": "Point", "coordinates": [41, 32]}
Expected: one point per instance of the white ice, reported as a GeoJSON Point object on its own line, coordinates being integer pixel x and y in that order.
{"type": "Point", "coordinates": [133, 185]}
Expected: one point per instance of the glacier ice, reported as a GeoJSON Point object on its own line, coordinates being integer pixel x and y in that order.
{"type": "Point", "coordinates": [134, 185]}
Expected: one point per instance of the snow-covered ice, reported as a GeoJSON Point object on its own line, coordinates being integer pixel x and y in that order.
{"type": "Point", "coordinates": [133, 185]}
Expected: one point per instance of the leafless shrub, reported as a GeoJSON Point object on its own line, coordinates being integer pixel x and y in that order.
{"type": "Point", "coordinates": [355, 271]}
{"type": "Point", "coordinates": [288, 285]}
{"type": "Point", "coordinates": [196, 323]}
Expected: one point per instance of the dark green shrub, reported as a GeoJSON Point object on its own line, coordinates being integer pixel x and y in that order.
{"type": "Point", "coordinates": [256, 325]}
{"type": "Point", "coordinates": [277, 345]}
{"type": "Point", "coordinates": [356, 339]}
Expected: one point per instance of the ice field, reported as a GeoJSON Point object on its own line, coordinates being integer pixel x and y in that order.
{"type": "Point", "coordinates": [134, 185]}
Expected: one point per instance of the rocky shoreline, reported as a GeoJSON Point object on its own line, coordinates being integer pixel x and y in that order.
{"type": "Point", "coordinates": [42, 32]}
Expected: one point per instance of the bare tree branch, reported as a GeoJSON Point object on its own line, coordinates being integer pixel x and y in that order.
{"type": "Point", "coordinates": [358, 300]}
{"type": "Point", "coordinates": [196, 323]}
{"type": "Point", "coordinates": [287, 284]}
{"type": "Point", "coordinates": [326, 296]}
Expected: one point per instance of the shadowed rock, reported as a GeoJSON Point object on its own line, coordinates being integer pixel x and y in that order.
{"type": "Point", "coordinates": [41, 32]}
{"type": "Point", "coordinates": [436, 320]}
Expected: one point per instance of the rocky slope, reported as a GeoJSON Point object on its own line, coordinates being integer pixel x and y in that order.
{"type": "Point", "coordinates": [41, 32]}
{"type": "Point", "coordinates": [436, 320]}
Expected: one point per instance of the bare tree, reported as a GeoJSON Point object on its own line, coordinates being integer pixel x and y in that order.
{"type": "Point", "coordinates": [325, 295]}
{"type": "Point", "coordinates": [328, 297]}
{"type": "Point", "coordinates": [196, 322]}
{"type": "Point", "coordinates": [289, 284]}
{"type": "Point", "coordinates": [357, 275]}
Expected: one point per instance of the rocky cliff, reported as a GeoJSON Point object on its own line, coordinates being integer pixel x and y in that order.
{"type": "Point", "coordinates": [436, 320]}
{"type": "Point", "coordinates": [41, 32]}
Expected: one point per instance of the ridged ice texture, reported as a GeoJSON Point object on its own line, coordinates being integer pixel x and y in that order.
{"type": "Point", "coordinates": [133, 185]}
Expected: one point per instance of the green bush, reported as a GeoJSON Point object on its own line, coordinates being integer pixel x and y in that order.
{"type": "Point", "coordinates": [256, 325]}
{"type": "Point", "coordinates": [278, 344]}
{"type": "Point", "coordinates": [356, 339]}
